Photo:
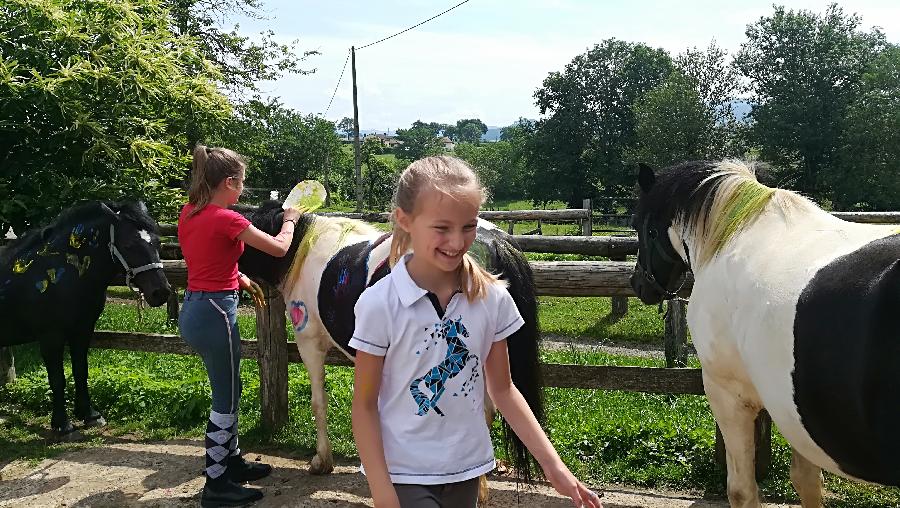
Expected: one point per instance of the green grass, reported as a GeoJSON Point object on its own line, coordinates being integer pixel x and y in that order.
{"type": "Point", "coordinates": [590, 318]}
{"type": "Point", "coordinates": [604, 436]}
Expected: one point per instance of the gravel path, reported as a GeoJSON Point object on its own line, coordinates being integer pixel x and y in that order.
{"type": "Point", "coordinates": [124, 473]}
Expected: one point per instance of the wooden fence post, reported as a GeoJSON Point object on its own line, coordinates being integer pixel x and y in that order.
{"type": "Point", "coordinates": [271, 339]}
{"type": "Point", "coordinates": [676, 333]}
{"type": "Point", "coordinates": [762, 433]}
{"type": "Point", "coordinates": [509, 228]}
{"type": "Point", "coordinates": [587, 225]}
{"type": "Point", "coordinates": [619, 303]}
{"type": "Point", "coordinates": [7, 366]}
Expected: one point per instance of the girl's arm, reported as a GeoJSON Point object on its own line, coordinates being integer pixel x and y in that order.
{"type": "Point", "coordinates": [367, 428]}
{"type": "Point", "coordinates": [277, 245]}
{"type": "Point", "coordinates": [519, 416]}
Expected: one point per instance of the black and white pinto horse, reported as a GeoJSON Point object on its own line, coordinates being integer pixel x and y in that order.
{"type": "Point", "coordinates": [332, 260]}
{"type": "Point", "coordinates": [53, 284]}
{"type": "Point", "coordinates": [792, 310]}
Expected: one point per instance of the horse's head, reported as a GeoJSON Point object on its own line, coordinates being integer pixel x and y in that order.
{"type": "Point", "coordinates": [134, 246]}
{"type": "Point", "coordinates": [255, 263]}
{"type": "Point", "coordinates": [661, 266]}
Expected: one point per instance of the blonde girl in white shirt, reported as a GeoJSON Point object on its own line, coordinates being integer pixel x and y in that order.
{"type": "Point", "coordinates": [427, 335]}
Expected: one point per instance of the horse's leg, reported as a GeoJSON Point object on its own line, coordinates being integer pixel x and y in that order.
{"type": "Point", "coordinates": [313, 351]}
{"type": "Point", "coordinates": [807, 480]}
{"type": "Point", "coordinates": [52, 352]}
{"type": "Point", "coordinates": [735, 416]}
{"type": "Point", "coordinates": [78, 346]}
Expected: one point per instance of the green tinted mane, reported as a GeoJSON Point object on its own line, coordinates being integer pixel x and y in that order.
{"type": "Point", "coordinates": [737, 199]}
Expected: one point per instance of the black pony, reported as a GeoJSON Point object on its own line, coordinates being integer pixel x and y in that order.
{"type": "Point", "coordinates": [53, 284]}
{"type": "Point", "coordinates": [332, 260]}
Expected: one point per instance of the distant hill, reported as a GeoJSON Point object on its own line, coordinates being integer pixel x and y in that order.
{"type": "Point", "coordinates": [492, 134]}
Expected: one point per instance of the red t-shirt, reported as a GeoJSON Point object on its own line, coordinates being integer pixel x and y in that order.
{"type": "Point", "coordinates": [210, 246]}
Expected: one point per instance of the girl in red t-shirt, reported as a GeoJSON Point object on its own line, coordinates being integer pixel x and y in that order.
{"type": "Point", "coordinates": [212, 238]}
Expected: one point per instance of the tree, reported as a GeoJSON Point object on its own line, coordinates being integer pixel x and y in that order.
{"type": "Point", "coordinates": [578, 150]}
{"type": "Point", "coordinates": [283, 147]}
{"type": "Point", "coordinates": [347, 126]}
{"type": "Point", "coordinates": [95, 98]}
{"type": "Point", "coordinates": [418, 142]}
{"type": "Point", "coordinates": [499, 165]}
{"type": "Point", "coordinates": [242, 62]}
{"type": "Point", "coordinates": [672, 125]}
{"type": "Point", "coordinates": [866, 175]}
{"type": "Point", "coordinates": [805, 70]}
{"type": "Point", "coordinates": [470, 130]}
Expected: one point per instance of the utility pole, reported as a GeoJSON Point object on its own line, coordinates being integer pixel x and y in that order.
{"type": "Point", "coordinates": [356, 161]}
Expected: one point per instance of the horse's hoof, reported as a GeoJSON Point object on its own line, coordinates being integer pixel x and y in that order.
{"type": "Point", "coordinates": [97, 421]}
{"type": "Point", "coordinates": [319, 466]}
{"type": "Point", "coordinates": [66, 434]}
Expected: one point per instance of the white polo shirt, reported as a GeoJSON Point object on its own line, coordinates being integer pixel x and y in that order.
{"type": "Point", "coordinates": [431, 402]}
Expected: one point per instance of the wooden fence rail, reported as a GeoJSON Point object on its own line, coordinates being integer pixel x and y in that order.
{"type": "Point", "coordinates": [551, 278]}
{"type": "Point", "coordinates": [558, 375]}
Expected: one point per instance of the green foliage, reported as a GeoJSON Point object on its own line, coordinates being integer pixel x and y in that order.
{"type": "Point", "coordinates": [283, 147]}
{"type": "Point", "coordinates": [499, 165]}
{"type": "Point", "coordinates": [346, 126]}
{"type": "Point", "coordinates": [866, 175]}
{"type": "Point", "coordinates": [380, 178]}
{"type": "Point", "coordinates": [805, 70]}
{"type": "Point", "coordinates": [470, 130]}
{"type": "Point", "coordinates": [95, 98]}
{"type": "Point", "coordinates": [241, 61]}
{"type": "Point", "coordinates": [418, 142]}
{"type": "Point", "coordinates": [577, 151]}
{"type": "Point", "coordinates": [672, 125]}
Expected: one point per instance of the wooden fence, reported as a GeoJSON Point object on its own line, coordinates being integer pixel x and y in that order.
{"type": "Point", "coordinates": [273, 351]}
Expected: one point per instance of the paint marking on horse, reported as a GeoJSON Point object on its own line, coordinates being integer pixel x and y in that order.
{"type": "Point", "coordinates": [299, 315]}
{"type": "Point", "coordinates": [21, 266]}
{"type": "Point", "coordinates": [145, 236]}
{"type": "Point", "coordinates": [82, 265]}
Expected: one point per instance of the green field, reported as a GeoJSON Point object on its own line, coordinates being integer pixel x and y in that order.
{"type": "Point", "coordinates": [605, 436]}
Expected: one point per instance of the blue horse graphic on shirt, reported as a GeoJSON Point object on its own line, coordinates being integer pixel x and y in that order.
{"type": "Point", "coordinates": [436, 378]}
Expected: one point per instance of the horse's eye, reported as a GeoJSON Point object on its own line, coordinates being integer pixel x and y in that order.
{"type": "Point", "coordinates": [652, 233]}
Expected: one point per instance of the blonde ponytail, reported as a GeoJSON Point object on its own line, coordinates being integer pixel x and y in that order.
{"type": "Point", "coordinates": [475, 279]}
{"type": "Point", "coordinates": [400, 242]}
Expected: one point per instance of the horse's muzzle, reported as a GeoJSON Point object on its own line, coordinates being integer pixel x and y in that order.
{"type": "Point", "coordinates": [644, 290]}
{"type": "Point", "coordinates": [154, 286]}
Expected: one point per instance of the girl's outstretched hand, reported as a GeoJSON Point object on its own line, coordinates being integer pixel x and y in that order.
{"type": "Point", "coordinates": [256, 292]}
{"type": "Point", "coordinates": [566, 484]}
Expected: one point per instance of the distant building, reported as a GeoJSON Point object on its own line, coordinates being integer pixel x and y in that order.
{"type": "Point", "coordinates": [448, 143]}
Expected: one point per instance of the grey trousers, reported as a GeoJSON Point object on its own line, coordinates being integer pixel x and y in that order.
{"type": "Point", "coordinates": [449, 495]}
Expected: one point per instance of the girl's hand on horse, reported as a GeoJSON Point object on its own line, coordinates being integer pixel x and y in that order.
{"type": "Point", "coordinates": [256, 292]}
{"type": "Point", "coordinates": [292, 214]}
{"type": "Point", "coordinates": [566, 484]}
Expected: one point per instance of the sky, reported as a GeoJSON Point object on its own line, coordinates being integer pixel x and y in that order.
{"type": "Point", "coordinates": [486, 58]}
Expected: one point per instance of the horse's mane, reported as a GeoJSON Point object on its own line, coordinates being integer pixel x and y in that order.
{"type": "Point", "coordinates": [132, 211]}
{"type": "Point", "coordinates": [717, 200]}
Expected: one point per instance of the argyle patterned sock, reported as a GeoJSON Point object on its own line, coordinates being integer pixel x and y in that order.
{"type": "Point", "coordinates": [219, 439]}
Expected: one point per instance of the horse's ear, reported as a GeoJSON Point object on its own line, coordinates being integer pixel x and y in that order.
{"type": "Point", "coordinates": [646, 177]}
{"type": "Point", "coordinates": [107, 209]}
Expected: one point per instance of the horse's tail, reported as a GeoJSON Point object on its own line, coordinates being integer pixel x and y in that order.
{"type": "Point", "coordinates": [524, 361]}
{"type": "Point", "coordinates": [421, 399]}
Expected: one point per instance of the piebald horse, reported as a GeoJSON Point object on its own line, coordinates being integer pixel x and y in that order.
{"type": "Point", "coordinates": [332, 260]}
{"type": "Point", "coordinates": [792, 310]}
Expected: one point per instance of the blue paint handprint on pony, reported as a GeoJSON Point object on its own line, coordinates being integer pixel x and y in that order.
{"type": "Point", "coordinates": [455, 360]}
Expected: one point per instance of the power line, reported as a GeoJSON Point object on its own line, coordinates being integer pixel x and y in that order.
{"type": "Point", "coordinates": [414, 26]}
{"type": "Point", "coordinates": [338, 83]}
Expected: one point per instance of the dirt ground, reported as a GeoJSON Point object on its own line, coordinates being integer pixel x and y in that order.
{"type": "Point", "coordinates": [124, 473]}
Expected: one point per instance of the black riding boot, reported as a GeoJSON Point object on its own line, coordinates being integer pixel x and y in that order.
{"type": "Point", "coordinates": [240, 471]}
{"type": "Point", "coordinates": [222, 491]}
